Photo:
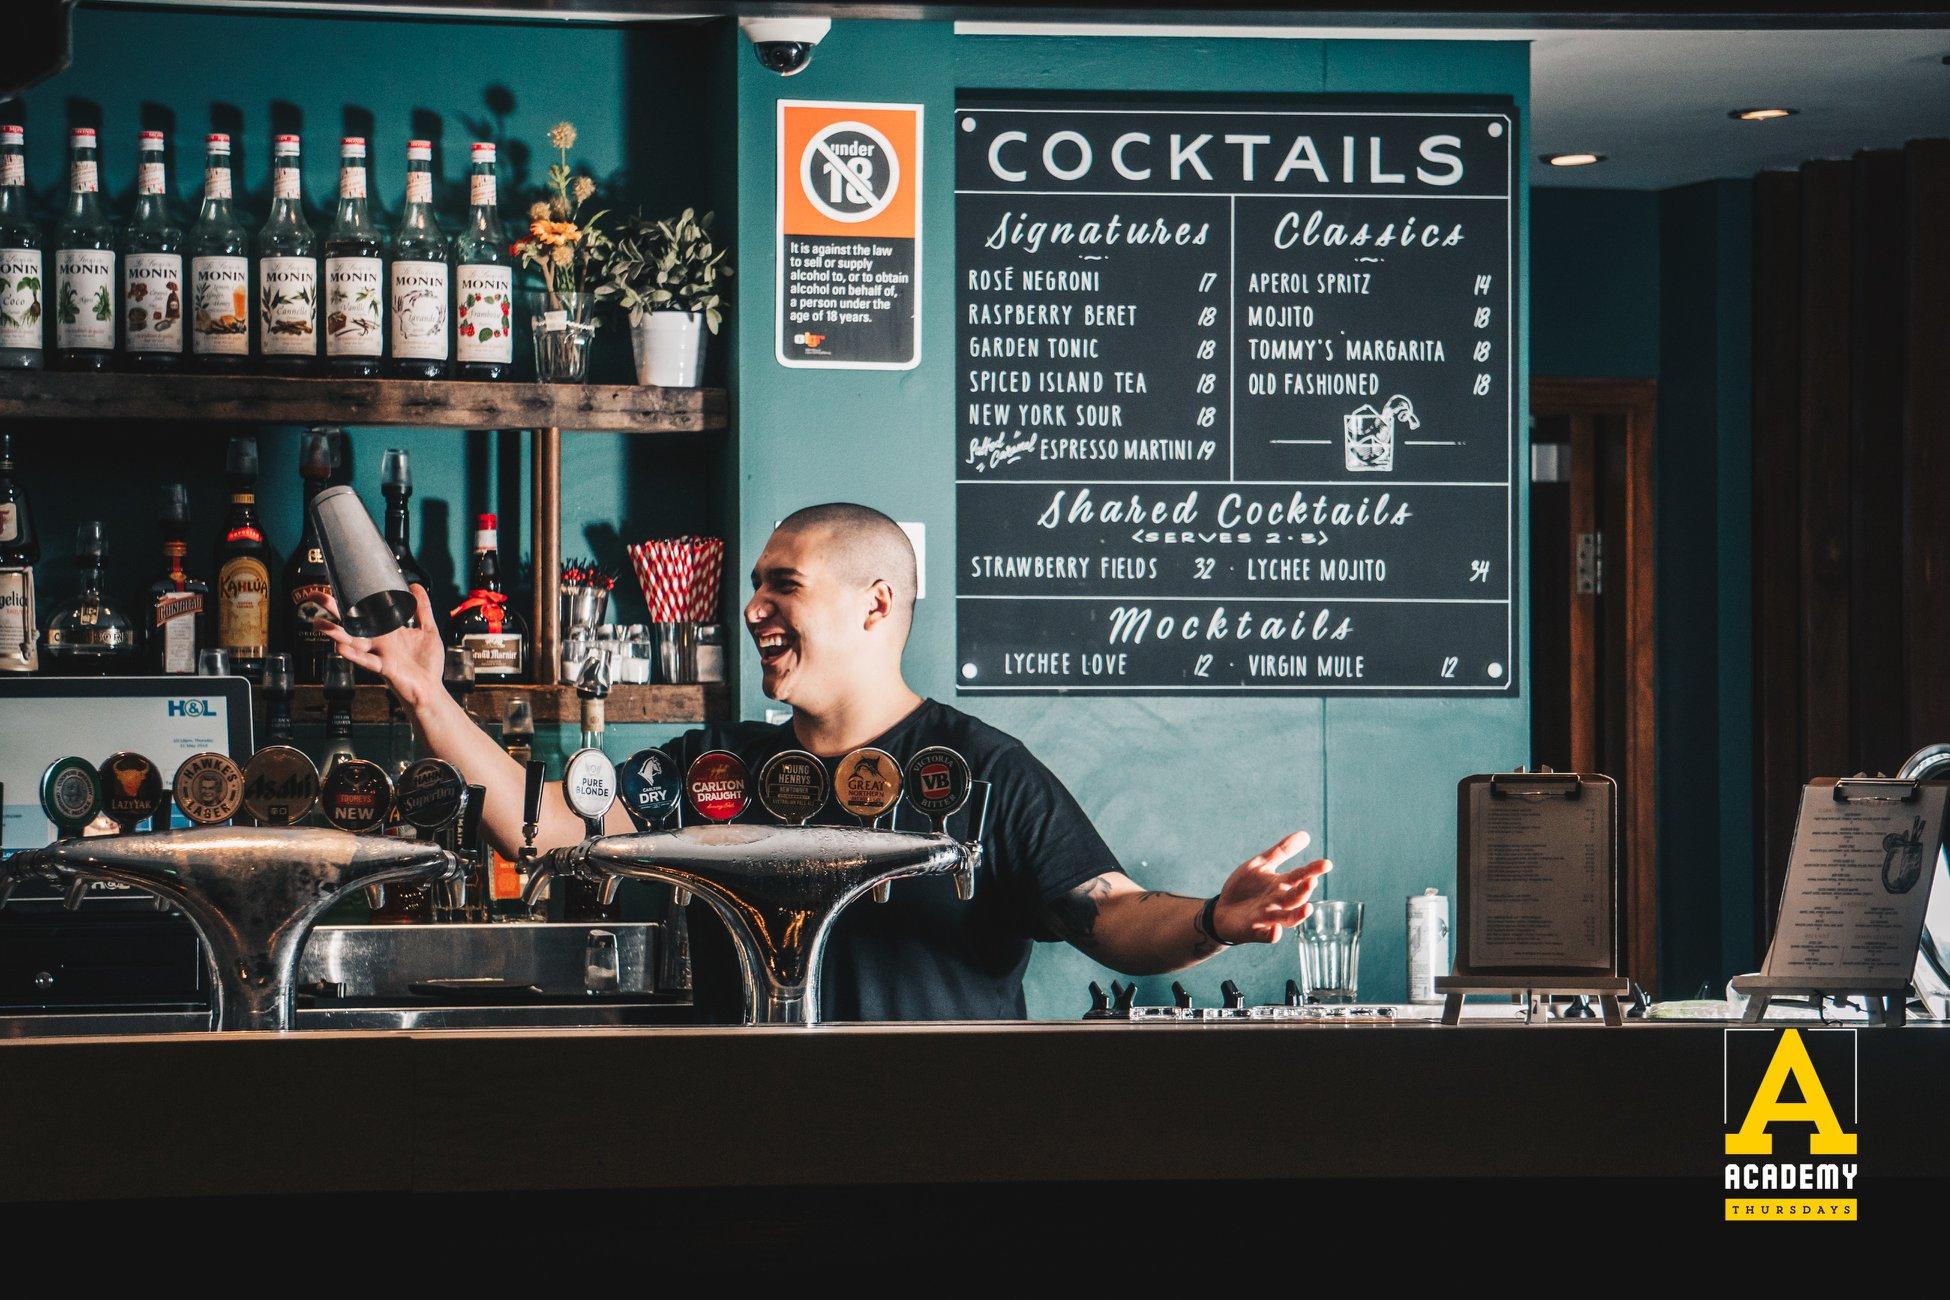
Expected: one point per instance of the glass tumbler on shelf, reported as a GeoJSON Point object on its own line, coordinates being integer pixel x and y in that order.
{"type": "Point", "coordinates": [563, 329]}
{"type": "Point", "coordinates": [1330, 952]}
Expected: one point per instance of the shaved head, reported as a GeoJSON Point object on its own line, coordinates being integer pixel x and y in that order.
{"type": "Point", "coordinates": [863, 546]}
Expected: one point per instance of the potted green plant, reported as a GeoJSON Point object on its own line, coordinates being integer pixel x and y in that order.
{"type": "Point", "coordinates": [668, 276]}
{"type": "Point", "coordinates": [566, 249]}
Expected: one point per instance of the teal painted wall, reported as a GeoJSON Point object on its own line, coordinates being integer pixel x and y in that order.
{"type": "Point", "coordinates": [654, 129]}
{"type": "Point", "coordinates": [1594, 283]}
{"type": "Point", "coordinates": [1373, 780]}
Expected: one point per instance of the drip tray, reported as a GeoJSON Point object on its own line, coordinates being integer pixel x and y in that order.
{"type": "Point", "coordinates": [593, 1014]}
{"type": "Point", "coordinates": [505, 964]}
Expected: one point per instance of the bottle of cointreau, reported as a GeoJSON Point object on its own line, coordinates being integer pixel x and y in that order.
{"type": "Point", "coordinates": [485, 624]}
{"type": "Point", "coordinates": [244, 561]}
{"type": "Point", "coordinates": [307, 582]}
{"type": "Point", "coordinates": [178, 619]}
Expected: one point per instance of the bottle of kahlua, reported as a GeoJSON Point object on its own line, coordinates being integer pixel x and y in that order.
{"type": "Point", "coordinates": [307, 582]}
{"type": "Point", "coordinates": [244, 561]}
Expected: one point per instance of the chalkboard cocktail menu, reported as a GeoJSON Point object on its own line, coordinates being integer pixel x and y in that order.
{"type": "Point", "coordinates": [1235, 397]}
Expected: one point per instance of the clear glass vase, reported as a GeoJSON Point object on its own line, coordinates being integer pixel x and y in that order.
{"type": "Point", "coordinates": [563, 327]}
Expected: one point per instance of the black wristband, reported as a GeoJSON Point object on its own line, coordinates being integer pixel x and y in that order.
{"type": "Point", "coordinates": [1208, 923]}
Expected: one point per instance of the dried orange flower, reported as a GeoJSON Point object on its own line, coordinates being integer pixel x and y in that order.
{"type": "Point", "coordinates": [584, 187]}
{"type": "Point", "coordinates": [563, 135]}
{"type": "Point", "coordinates": [538, 212]}
{"type": "Point", "coordinates": [555, 232]}
{"type": "Point", "coordinates": [562, 254]}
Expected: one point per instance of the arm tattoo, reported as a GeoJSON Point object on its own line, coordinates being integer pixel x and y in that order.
{"type": "Point", "coordinates": [1073, 916]}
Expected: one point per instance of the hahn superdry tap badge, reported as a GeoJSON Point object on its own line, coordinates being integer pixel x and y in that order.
{"type": "Point", "coordinates": [1790, 1121]}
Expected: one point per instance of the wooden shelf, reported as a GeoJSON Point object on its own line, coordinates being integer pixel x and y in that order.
{"type": "Point", "coordinates": [445, 403]}
{"type": "Point", "coordinates": [553, 704]}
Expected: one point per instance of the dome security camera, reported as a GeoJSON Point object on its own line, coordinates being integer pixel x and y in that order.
{"type": "Point", "coordinates": [784, 45]}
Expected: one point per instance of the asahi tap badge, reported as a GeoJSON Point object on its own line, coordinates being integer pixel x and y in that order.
{"type": "Point", "coordinates": [356, 795]}
{"type": "Point", "coordinates": [132, 789]}
{"type": "Point", "coordinates": [718, 785]}
{"type": "Point", "coordinates": [650, 788]}
{"type": "Point", "coordinates": [429, 794]}
{"type": "Point", "coordinates": [937, 785]}
{"type": "Point", "coordinates": [793, 785]}
{"type": "Point", "coordinates": [868, 783]}
{"type": "Point", "coordinates": [209, 788]}
{"type": "Point", "coordinates": [589, 785]}
{"type": "Point", "coordinates": [280, 785]}
{"type": "Point", "coordinates": [71, 795]}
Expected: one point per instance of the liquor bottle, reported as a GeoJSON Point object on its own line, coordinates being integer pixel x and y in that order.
{"type": "Point", "coordinates": [484, 280]}
{"type": "Point", "coordinates": [277, 699]}
{"type": "Point", "coordinates": [84, 266]}
{"type": "Point", "coordinates": [504, 874]}
{"type": "Point", "coordinates": [220, 278]}
{"type": "Point", "coordinates": [20, 551]}
{"type": "Point", "coordinates": [22, 325]}
{"type": "Point", "coordinates": [244, 561]}
{"type": "Point", "coordinates": [287, 271]}
{"type": "Point", "coordinates": [307, 582]}
{"type": "Point", "coordinates": [88, 636]}
{"type": "Point", "coordinates": [339, 693]}
{"type": "Point", "coordinates": [355, 279]}
{"type": "Point", "coordinates": [396, 485]}
{"type": "Point", "coordinates": [152, 268]}
{"type": "Point", "coordinates": [484, 624]}
{"type": "Point", "coordinates": [419, 287]}
{"type": "Point", "coordinates": [179, 605]}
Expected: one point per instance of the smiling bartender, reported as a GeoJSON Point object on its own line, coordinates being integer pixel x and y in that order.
{"type": "Point", "coordinates": [832, 603]}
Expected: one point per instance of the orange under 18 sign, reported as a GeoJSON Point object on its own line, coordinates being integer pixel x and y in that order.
{"type": "Point", "coordinates": [849, 266]}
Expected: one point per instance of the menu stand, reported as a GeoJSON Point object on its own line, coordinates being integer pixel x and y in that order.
{"type": "Point", "coordinates": [1536, 986]}
{"type": "Point", "coordinates": [1885, 997]}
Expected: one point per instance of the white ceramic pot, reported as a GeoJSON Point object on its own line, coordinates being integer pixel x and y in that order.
{"type": "Point", "coordinates": [669, 348]}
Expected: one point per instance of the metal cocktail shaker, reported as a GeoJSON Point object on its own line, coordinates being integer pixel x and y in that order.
{"type": "Point", "coordinates": [366, 580]}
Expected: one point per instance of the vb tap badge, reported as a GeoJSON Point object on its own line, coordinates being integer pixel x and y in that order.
{"type": "Point", "coordinates": [937, 785]}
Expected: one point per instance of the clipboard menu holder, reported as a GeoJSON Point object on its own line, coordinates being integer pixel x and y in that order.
{"type": "Point", "coordinates": [1803, 946]}
{"type": "Point", "coordinates": [1536, 891]}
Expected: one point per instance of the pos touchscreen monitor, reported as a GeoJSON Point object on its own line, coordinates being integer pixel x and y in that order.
{"type": "Point", "coordinates": [165, 719]}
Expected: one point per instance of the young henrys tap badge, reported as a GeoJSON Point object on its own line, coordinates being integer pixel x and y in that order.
{"type": "Point", "coordinates": [1235, 396]}
{"type": "Point", "coordinates": [849, 235]}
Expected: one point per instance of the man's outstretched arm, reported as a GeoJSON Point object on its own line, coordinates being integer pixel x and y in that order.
{"type": "Point", "coordinates": [1149, 932]}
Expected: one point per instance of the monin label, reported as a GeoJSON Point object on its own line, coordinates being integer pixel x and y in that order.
{"type": "Point", "coordinates": [287, 306]}
{"type": "Point", "coordinates": [84, 310]}
{"type": "Point", "coordinates": [221, 289]}
{"type": "Point", "coordinates": [420, 310]}
{"type": "Point", "coordinates": [355, 309]}
{"type": "Point", "coordinates": [484, 314]}
{"type": "Point", "coordinates": [20, 298]}
{"type": "Point", "coordinates": [152, 302]}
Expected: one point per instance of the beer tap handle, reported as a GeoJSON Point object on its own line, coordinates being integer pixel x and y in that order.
{"type": "Point", "coordinates": [1180, 998]}
{"type": "Point", "coordinates": [1099, 1000]}
{"type": "Point", "coordinates": [375, 896]}
{"type": "Point", "coordinates": [531, 807]}
{"type": "Point", "coordinates": [1233, 998]}
{"type": "Point", "coordinates": [883, 892]}
{"type": "Point", "coordinates": [1293, 998]}
{"type": "Point", "coordinates": [470, 819]}
{"type": "Point", "coordinates": [1124, 995]}
{"type": "Point", "coordinates": [77, 890]}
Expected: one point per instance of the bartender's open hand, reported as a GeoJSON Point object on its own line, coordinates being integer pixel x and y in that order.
{"type": "Point", "coordinates": [1259, 902]}
{"type": "Point", "coordinates": [412, 660]}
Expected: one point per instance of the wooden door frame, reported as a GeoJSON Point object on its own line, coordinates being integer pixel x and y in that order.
{"type": "Point", "coordinates": [1630, 559]}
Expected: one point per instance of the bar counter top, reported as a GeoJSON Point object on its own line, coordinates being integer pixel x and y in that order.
{"type": "Point", "coordinates": [881, 1105]}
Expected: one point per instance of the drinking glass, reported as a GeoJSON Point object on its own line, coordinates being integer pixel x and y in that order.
{"type": "Point", "coordinates": [213, 663]}
{"type": "Point", "coordinates": [1330, 952]}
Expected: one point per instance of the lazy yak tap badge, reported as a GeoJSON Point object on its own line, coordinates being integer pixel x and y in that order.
{"type": "Point", "coordinates": [1790, 1125]}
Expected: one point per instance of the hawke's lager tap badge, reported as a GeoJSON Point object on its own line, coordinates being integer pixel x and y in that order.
{"type": "Point", "coordinates": [649, 787]}
{"type": "Point", "coordinates": [792, 784]}
{"type": "Point", "coordinates": [589, 784]}
{"type": "Point", "coordinates": [356, 795]}
{"type": "Point", "coordinates": [280, 785]}
{"type": "Point", "coordinates": [429, 794]}
{"type": "Point", "coordinates": [868, 783]}
{"type": "Point", "coordinates": [209, 788]}
{"type": "Point", "coordinates": [132, 789]}
{"type": "Point", "coordinates": [717, 785]}
{"type": "Point", "coordinates": [71, 794]}
{"type": "Point", "coordinates": [937, 785]}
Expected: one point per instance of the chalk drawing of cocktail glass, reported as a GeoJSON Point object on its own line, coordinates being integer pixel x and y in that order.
{"type": "Point", "coordinates": [1371, 433]}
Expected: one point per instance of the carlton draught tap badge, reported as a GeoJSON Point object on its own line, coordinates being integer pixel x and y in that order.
{"type": "Point", "coordinates": [1789, 1111]}
{"type": "Point", "coordinates": [718, 786]}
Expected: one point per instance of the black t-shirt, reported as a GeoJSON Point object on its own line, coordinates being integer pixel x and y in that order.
{"type": "Point", "coordinates": [925, 954]}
